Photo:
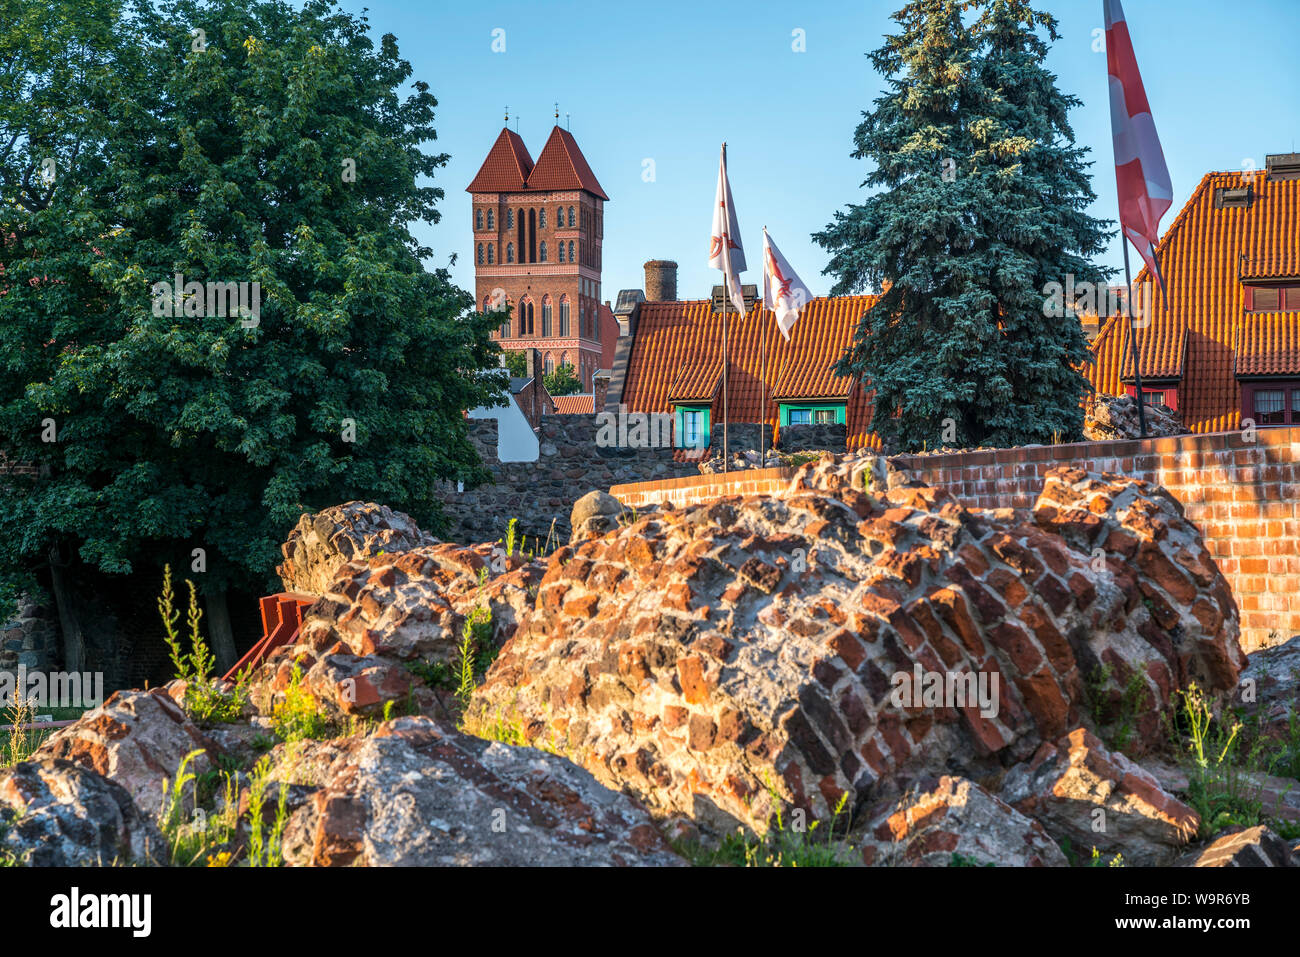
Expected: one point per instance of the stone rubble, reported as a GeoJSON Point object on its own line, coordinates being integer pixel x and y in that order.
{"type": "Point", "coordinates": [56, 813]}
{"type": "Point", "coordinates": [703, 657]}
{"type": "Point", "coordinates": [955, 821]}
{"type": "Point", "coordinates": [1081, 792]}
{"type": "Point", "coordinates": [1116, 417]}
{"type": "Point", "coordinates": [419, 794]}
{"type": "Point", "coordinates": [136, 738]}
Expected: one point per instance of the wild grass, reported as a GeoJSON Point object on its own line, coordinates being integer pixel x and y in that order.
{"type": "Point", "coordinates": [1215, 788]}
{"type": "Point", "coordinates": [785, 844]}
{"type": "Point", "coordinates": [474, 654]}
{"type": "Point", "coordinates": [1120, 720]}
{"type": "Point", "coordinates": [204, 699]}
{"type": "Point", "coordinates": [265, 846]}
{"type": "Point", "coordinates": [297, 716]}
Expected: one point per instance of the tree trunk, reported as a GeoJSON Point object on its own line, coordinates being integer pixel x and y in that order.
{"type": "Point", "coordinates": [223, 639]}
{"type": "Point", "coordinates": [74, 644]}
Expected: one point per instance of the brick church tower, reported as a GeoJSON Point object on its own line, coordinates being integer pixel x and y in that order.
{"type": "Point", "coordinates": [537, 244]}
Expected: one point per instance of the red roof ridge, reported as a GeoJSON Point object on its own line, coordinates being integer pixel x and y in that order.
{"type": "Point", "coordinates": [561, 165]}
{"type": "Point", "coordinates": [507, 167]}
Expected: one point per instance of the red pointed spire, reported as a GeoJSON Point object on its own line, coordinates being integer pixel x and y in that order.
{"type": "Point", "coordinates": [506, 168]}
{"type": "Point", "coordinates": [561, 165]}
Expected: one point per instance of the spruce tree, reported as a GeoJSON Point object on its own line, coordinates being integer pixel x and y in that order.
{"type": "Point", "coordinates": [980, 205]}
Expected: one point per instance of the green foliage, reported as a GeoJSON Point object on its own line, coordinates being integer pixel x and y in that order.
{"type": "Point", "coordinates": [475, 652]}
{"type": "Point", "coordinates": [783, 845]}
{"type": "Point", "coordinates": [225, 164]}
{"type": "Point", "coordinates": [1098, 861]}
{"type": "Point", "coordinates": [965, 860]}
{"type": "Point", "coordinates": [7, 857]}
{"type": "Point", "coordinates": [19, 743]}
{"type": "Point", "coordinates": [265, 847]}
{"type": "Point", "coordinates": [204, 698]}
{"type": "Point", "coordinates": [192, 835]}
{"type": "Point", "coordinates": [1121, 720]}
{"type": "Point", "coordinates": [296, 717]}
{"type": "Point", "coordinates": [508, 729]}
{"type": "Point", "coordinates": [516, 363]}
{"type": "Point", "coordinates": [979, 202]}
{"type": "Point", "coordinates": [1215, 788]}
{"type": "Point", "coordinates": [435, 674]}
{"type": "Point", "coordinates": [563, 381]}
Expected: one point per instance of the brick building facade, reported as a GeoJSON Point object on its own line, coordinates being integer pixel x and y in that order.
{"type": "Point", "coordinates": [538, 230]}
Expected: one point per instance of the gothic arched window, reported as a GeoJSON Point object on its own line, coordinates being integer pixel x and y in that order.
{"type": "Point", "coordinates": [510, 252]}
{"type": "Point", "coordinates": [510, 219]}
{"type": "Point", "coordinates": [491, 220]}
{"type": "Point", "coordinates": [572, 221]}
{"type": "Point", "coordinates": [491, 252]}
{"type": "Point", "coordinates": [542, 251]}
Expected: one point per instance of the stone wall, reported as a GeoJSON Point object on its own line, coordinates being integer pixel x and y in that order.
{"type": "Point", "coordinates": [1242, 491]}
{"type": "Point", "coordinates": [571, 463]}
{"type": "Point", "coordinates": [30, 638]}
{"type": "Point", "coordinates": [741, 436]}
{"type": "Point", "coordinates": [832, 437]}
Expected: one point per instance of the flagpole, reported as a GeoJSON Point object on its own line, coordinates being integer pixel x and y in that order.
{"type": "Point", "coordinates": [1132, 341]}
{"type": "Point", "coordinates": [726, 272]}
{"type": "Point", "coordinates": [762, 345]}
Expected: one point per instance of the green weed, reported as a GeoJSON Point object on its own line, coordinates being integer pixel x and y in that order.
{"type": "Point", "coordinates": [204, 699]}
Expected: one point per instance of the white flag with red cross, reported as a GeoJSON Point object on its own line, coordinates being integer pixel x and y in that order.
{"type": "Point", "coordinates": [1145, 189]}
{"type": "Point", "coordinates": [725, 250]}
{"type": "Point", "coordinates": [783, 291]}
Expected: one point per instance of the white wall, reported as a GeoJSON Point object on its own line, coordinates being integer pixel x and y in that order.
{"type": "Point", "coordinates": [516, 441]}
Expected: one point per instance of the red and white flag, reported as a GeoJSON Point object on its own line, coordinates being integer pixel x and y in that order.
{"type": "Point", "coordinates": [1145, 190]}
{"type": "Point", "coordinates": [783, 291]}
{"type": "Point", "coordinates": [725, 250]}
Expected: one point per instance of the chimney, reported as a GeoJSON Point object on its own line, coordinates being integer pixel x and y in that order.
{"type": "Point", "coordinates": [661, 280]}
{"type": "Point", "coordinates": [533, 363]}
{"type": "Point", "coordinates": [1280, 166]}
{"type": "Point", "coordinates": [599, 389]}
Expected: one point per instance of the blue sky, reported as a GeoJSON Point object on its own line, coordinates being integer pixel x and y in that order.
{"type": "Point", "coordinates": [668, 81]}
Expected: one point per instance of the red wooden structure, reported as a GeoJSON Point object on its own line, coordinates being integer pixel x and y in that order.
{"type": "Point", "coordinates": [281, 620]}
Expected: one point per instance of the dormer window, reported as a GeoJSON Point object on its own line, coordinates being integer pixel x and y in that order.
{"type": "Point", "coordinates": [1233, 198]}
{"type": "Point", "coordinates": [1273, 298]}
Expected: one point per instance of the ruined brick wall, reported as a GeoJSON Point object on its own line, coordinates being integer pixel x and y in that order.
{"type": "Point", "coordinates": [1241, 491]}
{"type": "Point", "coordinates": [570, 464]}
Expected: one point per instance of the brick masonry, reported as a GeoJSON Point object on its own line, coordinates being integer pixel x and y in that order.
{"type": "Point", "coordinates": [1243, 496]}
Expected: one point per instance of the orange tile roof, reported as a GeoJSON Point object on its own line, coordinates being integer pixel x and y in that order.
{"type": "Point", "coordinates": [1203, 254]}
{"type": "Point", "coordinates": [506, 168]}
{"type": "Point", "coordinates": [1268, 344]}
{"type": "Point", "coordinates": [699, 379]}
{"type": "Point", "coordinates": [510, 169]}
{"type": "Point", "coordinates": [561, 165]}
{"type": "Point", "coordinates": [678, 346]}
{"type": "Point", "coordinates": [573, 404]}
